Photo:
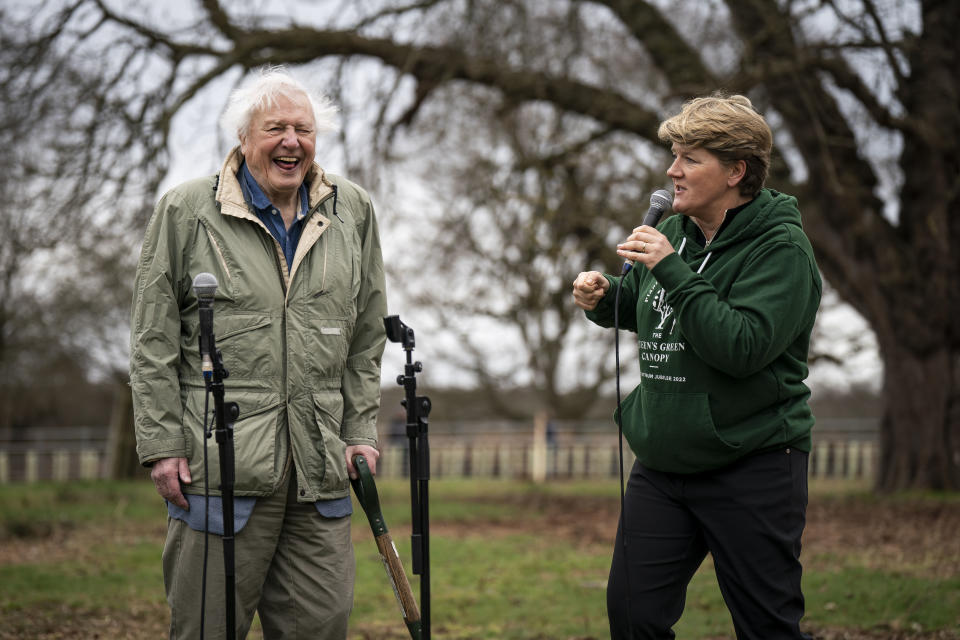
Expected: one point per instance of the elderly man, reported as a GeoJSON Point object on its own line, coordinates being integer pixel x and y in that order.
{"type": "Point", "coordinates": [298, 318]}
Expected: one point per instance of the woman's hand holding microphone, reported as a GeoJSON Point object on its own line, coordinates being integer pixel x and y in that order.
{"type": "Point", "coordinates": [645, 246]}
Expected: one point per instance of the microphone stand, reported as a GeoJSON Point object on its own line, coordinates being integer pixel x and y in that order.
{"type": "Point", "coordinates": [418, 408]}
{"type": "Point", "coordinates": [224, 415]}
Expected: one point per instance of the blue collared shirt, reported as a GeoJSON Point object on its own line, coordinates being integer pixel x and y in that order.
{"type": "Point", "coordinates": [196, 517]}
{"type": "Point", "coordinates": [270, 215]}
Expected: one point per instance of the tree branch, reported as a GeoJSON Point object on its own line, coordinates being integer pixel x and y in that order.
{"type": "Point", "coordinates": [396, 11]}
{"type": "Point", "coordinates": [220, 19]}
{"type": "Point", "coordinates": [679, 63]}
{"type": "Point", "coordinates": [435, 65]}
{"type": "Point", "coordinates": [152, 36]}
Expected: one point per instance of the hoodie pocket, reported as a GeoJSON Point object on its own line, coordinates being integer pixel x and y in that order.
{"type": "Point", "coordinates": [675, 432]}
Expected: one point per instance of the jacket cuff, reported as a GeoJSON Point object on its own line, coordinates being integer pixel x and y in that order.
{"type": "Point", "coordinates": [153, 450]}
{"type": "Point", "coordinates": [359, 433]}
{"type": "Point", "coordinates": [355, 441]}
{"type": "Point", "coordinates": [602, 314]}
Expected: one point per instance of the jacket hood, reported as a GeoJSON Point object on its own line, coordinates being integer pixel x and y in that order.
{"type": "Point", "coordinates": [768, 210]}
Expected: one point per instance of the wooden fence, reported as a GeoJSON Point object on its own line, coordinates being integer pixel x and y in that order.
{"type": "Point", "coordinates": [841, 449]}
{"type": "Point", "coordinates": [52, 453]}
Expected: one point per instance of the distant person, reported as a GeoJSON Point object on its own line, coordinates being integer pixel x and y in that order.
{"type": "Point", "coordinates": [397, 429]}
{"type": "Point", "coordinates": [551, 434]}
{"type": "Point", "coordinates": [723, 299]}
{"type": "Point", "coordinates": [298, 317]}
{"type": "Point", "coordinates": [397, 437]}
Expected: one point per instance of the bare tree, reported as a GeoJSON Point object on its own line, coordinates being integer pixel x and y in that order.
{"type": "Point", "coordinates": [835, 78]}
{"type": "Point", "coordinates": [508, 233]}
{"type": "Point", "coordinates": [75, 175]}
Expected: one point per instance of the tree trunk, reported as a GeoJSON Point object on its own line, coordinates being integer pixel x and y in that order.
{"type": "Point", "coordinates": [122, 462]}
{"type": "Point", "coordinates": [920, 430]}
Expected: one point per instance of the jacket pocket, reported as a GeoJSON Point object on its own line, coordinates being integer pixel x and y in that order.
{"type": "Point", "coordinates": [248, 344]}
{"type": "Point", "coordinates": [254, 442]}
{"type": "Point", "coordinates": [328, 347]}
{"type": "Point", "coordinates": [330, 449]}
{"type": "Point", "coordinates": [675, 432]}
{"type": "Point", "coordinates": [332, 272]}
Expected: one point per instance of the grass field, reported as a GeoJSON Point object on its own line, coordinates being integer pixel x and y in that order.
{"type": "Point", "coordinates": [509, 560]}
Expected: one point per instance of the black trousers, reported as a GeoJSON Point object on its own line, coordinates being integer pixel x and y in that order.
{"type": "Point", "coordinates": [749, 516]}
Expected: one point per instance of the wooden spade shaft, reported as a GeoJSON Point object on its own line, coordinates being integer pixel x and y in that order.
{"type": "Point", "coordinates": [398, 577]}
{"type": "Point", "coordinates": [366, 491]}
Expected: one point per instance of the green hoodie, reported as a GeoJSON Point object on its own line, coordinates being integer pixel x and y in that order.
{"type": "Point", "coordinates": [723, 333]}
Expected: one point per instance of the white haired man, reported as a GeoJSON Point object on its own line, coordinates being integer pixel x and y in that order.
{"type": "Point", "coordinates": [298, 318]}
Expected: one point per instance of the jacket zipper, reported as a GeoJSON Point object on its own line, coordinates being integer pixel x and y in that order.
{"type": "Point", "coordinates": [323, 276]}
{"type": "Point", "coordinates": [286, 341]}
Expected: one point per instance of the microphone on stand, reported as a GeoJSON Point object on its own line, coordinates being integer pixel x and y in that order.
{"type": "Point", "coordinates": [205, 286]}
{"type": "Point", "coordinates": [224, 414]}
{"type": "Point", "coordinates": [660, 201]}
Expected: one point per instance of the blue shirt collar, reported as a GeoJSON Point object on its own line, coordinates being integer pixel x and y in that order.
{"type": "Point", "coordinates": [253, 194]}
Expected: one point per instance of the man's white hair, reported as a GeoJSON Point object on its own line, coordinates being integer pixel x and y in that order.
{"type": "Point", "coordinates": [263, 90]}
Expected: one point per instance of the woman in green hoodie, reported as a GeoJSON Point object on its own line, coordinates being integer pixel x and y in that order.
{"type": "Point", "coordinates": [723, 300]}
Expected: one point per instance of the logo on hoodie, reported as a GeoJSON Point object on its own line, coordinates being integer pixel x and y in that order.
{"type": "Point", "coordinates": [657, 348]}
{"type": "Point", "coordinates": [657, 299]}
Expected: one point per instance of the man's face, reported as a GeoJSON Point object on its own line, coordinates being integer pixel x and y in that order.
{"type": "Point", "coordinates": [279, 147]}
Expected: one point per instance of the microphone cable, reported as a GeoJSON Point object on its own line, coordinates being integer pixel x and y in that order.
{"type": "Point", "coordinates": [207, 432]}
{"type": "Point", "coordinates": [205, 287]}
{"type": "Point", "coordinates": [623, 523]}
{"type": "Point", "coordinates": [660, 200]}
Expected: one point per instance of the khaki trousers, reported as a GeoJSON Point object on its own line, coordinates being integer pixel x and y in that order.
{"type": "Point", "coordinates": [293, 566]}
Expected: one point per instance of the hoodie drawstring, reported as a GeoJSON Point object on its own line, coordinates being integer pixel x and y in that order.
{"type": "Point", "coordinates": [703, 264]}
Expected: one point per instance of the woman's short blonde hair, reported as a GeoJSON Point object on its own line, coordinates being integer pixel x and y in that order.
{"type": "Point", "coordinates": [730, 128]}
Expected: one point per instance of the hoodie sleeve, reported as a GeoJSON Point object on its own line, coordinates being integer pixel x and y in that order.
{"type": "Point", "coordinates": [361, 378]}
{"type": "Point", "coordinates": [771, 303]}
{"type": "Point", "coordinates": [603, 314]}
{"type": "Point", "coordinates": [155, 338]}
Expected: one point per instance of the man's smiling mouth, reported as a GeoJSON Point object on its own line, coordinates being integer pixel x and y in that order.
{"type": "Point", "coordinates": [286, 162]}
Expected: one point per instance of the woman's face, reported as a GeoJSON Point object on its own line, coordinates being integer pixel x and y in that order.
{"type": "Point", "coordinates": [702, 185]}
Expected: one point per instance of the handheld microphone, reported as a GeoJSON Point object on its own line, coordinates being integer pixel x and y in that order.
{"type": "Point", "coordinates": [660, 201]}
{"type": "Point", "coordinates": [205, 286]}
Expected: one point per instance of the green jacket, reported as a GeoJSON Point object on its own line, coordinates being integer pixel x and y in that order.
{"type": "Point", "coordinates": [723, 352]}
{"type": "Point", "coordinates": [302, 347]}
